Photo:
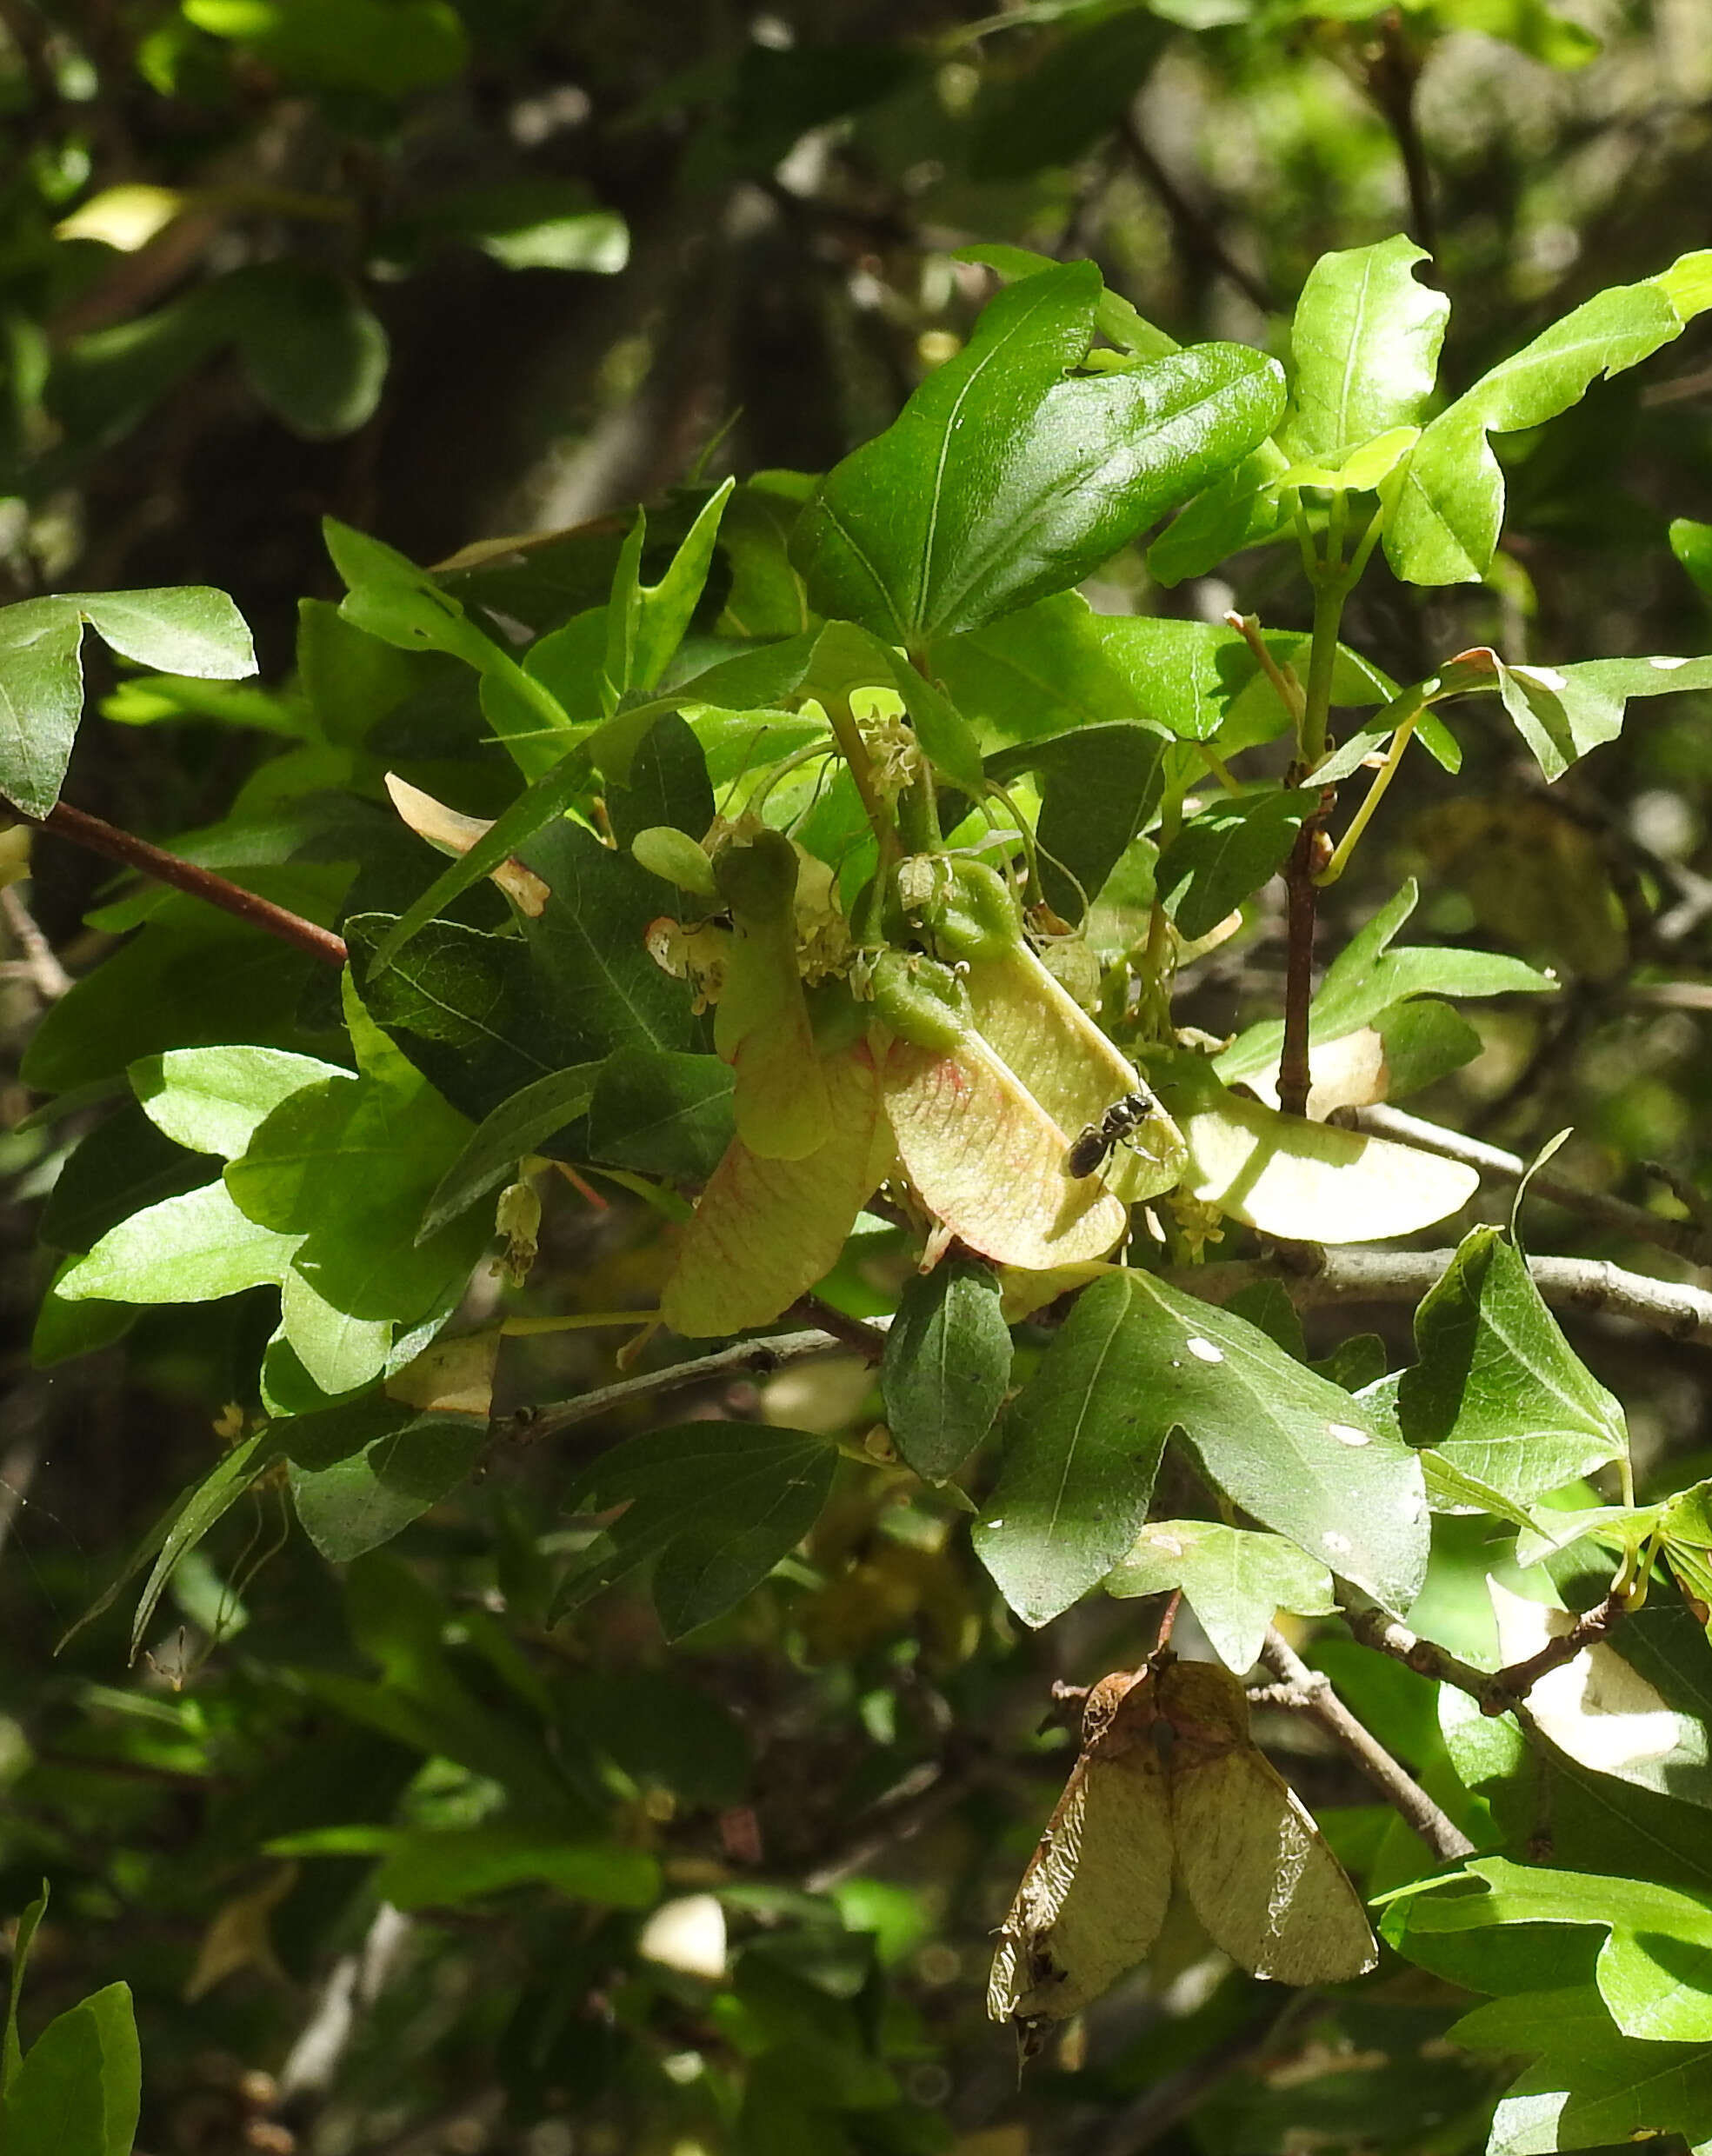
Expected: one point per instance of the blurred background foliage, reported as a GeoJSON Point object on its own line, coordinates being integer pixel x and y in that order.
{"type": "Point", "coordinates": [452, 271]}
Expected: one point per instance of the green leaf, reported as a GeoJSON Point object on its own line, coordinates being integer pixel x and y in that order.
{"type": "Point", "coordinates": [315, 356]}
{"type": "Point", "coordinates": [714, 1505]}
{"type": "Point", "coordinates": [1448, 504]}
{"type": "Point", "coordinates": [516, 1126]}
{"type": "Point", "coordinates": [1590, 2087]}
{"type": "Point", "coordinates": [667, 784]}
{"type": "Point", "coordinates": [946, 1367]}
{"type": "Point", "coordinates": [1653, 1972]}
{"type": "Point", "coordinates": [1202, 682]}
{"type": "Point", "coordinates": [1243, 507]}
{"type": "Point", "coordinates": [79, 2091]}
{"type": "Point", "coordinates": [212, 1100]}
{"type": "Point", "coordinates": [588, 948]}
{"type": "Point", "coordinates": [1296, 1453]}
{"type": "Point", "coordinates": [1081, 1447]}
{"type": "Point", "coordinates": [1098, 786]}
{"type": "Point", "coordinates": [536, 224]}
{"type": "Point", "coordinates": [192, 1248]}
{"type": "Point", "coordinates": [472, 1010]}
{"type": "Point", "coordinates": [1691, 543]}
{"type": "Point", "coordinates": [664, 609]}
{"type": "Point", "coordinates": [1365, 343]}
{"type": "Point", "coordinates": [12, 2053]}
{"type": "Point", "coordinates": [1496, 1388]}
{"type": "Point", "coordinates": [1562, 711]}
{"type": "Point", "coordinates": [391, 598]}
{"type": "Point", "coordinates": [1005, 479]}
{"type": "Point", "coordinates": [346, 1168]}
{"type": "Point", "coordinates": [663, 1112]}
{"type": "Point", "coordinates": [1236, 1581]}
{"type": "Point", "coordinates": [1368, 975]}
{"type": "Point", "coordinates": [190, 631]}
{"type": "Point", "coordinates": [197, 1511]}
{"type": "Point", "coordinates": [356, 1503]}
{"type": "Point", "coordinates": [193, 975]}
{"type": "Point", "coordinates": [845, 659]}
{"type": "Point", "coordinates": [1224, 855]}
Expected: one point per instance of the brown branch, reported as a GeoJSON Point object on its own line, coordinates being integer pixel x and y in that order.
{"type": "Point", "coordinates": [108, 840]}
{"type": "Point", "coordinates": [868, 1341]}
{"type": "Point", "coordinates": [1316, 1278]}
{"type": "Point", "coordinates": [1309, 1693]}
{"type": "Point", "coordinates": [1196, 230]}
{"type": "Point", "coordinates": [748, 1358]}
{"type": "Point", "coordinates": [1683, 1238]}
{"type": "Point", "coordinates": [1496, 1692]}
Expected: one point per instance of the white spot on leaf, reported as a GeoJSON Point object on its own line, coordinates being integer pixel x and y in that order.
{"type": "Point", "coordinates": [1542, 676]}
{"type": "Point", "coordinates": [1348, 1433]}
{"type": "Point", "coordinates": [1667, 666]}
{"type": "Point", "coordinates": [1204, 1351]}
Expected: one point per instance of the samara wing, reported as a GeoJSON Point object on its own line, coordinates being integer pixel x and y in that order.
{"type": "Point", "coordinates": [1093, 1896]}
{"type": "Point", "coordinates": [1254, 1864]}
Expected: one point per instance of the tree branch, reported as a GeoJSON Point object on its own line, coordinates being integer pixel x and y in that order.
{"type": "Point", "coordinates": [1683, 1238]}
{"type": "Point", "coordinates": [108, 840]}
{"type": "Point", "coordinates": [748, 1358]}
{"type": "Point", "coordinates": [1309, 1692]}
{"type": "Point", "coordinates": [1495, 1691]}
{"type": "Point", "coordinates": [1347, 1273]}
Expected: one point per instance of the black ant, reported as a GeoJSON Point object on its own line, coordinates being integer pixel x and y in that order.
{"type": "Point", "coordinates": [1099, 1141]}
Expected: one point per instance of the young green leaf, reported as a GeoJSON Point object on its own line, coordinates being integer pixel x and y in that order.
{"type": "Point", "coordinates": [193, 1248]}
{"type": "Point", "coordinates": [79, 2089]}
{"type": "Point", "coordinates": [1082, 1443]}
{"type": "Point", "coordinates": [519, 1125]}
{"type": "Point", "coordinates": [1495, 1387]}
{"type": "Point", "coordinates": [1368, 975]}
{"type": "Point", "coordinates": [1447, 505]}
{"type": "Point", "coordinates": [1224, 855]}
{"type": "Point", "coordinates": [1098, 786]}
{"type": "Point", "coordinates": [946, 1367]}
{"type": "Point", "coordinates": [1234, 1581]}
{"type": "Point", "coordinates": [1365, 343]}
{"type": "Point", "coordinates": [212, 1100]}
{"type": "Point", "coordinates": [1007, 478]}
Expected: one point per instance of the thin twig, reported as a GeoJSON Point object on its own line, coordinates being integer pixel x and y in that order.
{"type": "Point", "coordinates": [48, 976]}
{"type": "Point", "coordinates": [748, 1358]}
{"type": "Point", "coordinates": [1682, 1237]}
{"type": "Point", "coordinates": [868, 1341]}
{"type": "Point", "coordinates": [1314, 1695]}
{"type": "Point", "coordinates": [107, 839]}
{"type": "Point", "coordinates": [1495, 1691]}
{"type": "Point", "coordinates": [1195, 228]}
{"type": "Point", "coordinates": [1349, 1274]}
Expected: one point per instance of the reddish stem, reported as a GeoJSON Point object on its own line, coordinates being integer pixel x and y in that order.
{"type": "Point", "coordinates": [1293, 1071]}
{"type": "Point", "coordinates": [137, 853]}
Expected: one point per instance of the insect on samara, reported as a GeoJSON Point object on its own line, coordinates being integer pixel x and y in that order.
{"type": "Point", "coordinates": [1098, 1141]}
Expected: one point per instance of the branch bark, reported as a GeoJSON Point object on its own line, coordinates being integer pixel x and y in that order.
{"type": "Point", "coordinates": [1351, 1274]}
{"type": "Point", "coordinates": [1495, 1691]}
{"type": "Point", "coordinates": [131, 852]}
{"type": "Point", "coordinates": [1310, 1692]}
{"type": "Point", "coordinates": [1682, 1238]}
